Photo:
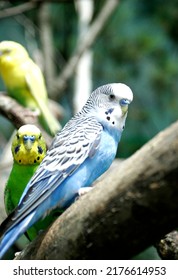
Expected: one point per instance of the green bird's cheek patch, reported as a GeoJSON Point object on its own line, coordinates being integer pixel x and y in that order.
{"type": "Point", "coordinates": [40, 150]}
{"type": "Point", "coordinates": [17, 148]}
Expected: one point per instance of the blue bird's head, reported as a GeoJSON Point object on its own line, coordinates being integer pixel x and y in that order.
{"type": "Point", "coordinates": [109, 104]}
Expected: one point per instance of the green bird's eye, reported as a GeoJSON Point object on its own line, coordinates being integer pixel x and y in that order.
{"type": "Point", "coordinates": [7, 51]}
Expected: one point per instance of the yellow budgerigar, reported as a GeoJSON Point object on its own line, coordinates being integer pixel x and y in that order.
{"type": "Point", "coordinates": [25, 82]}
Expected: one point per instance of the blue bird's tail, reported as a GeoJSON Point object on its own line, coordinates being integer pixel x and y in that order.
{"type": "Point", "coordinates": [13, 233]}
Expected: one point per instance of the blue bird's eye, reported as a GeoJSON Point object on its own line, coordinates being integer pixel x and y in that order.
{"type": "Point", "coordinates": [112, 96]}
{"type": "Point", "coordinates": [124, 102]}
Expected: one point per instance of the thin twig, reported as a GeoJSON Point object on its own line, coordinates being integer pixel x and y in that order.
{"type": "Point", "coordinates": [47, 42]}
{"type": "Point", "coordinates": [86, 42]}
{"type": "Point", "coordinates": [16, 10]}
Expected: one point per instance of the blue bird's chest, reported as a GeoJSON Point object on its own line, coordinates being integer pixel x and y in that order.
{"type": "Point", "coordinates": [103, 158]}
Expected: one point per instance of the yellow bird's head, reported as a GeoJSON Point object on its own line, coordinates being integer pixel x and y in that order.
{"type": "Point", "coordinates": [11, 52]}
{"type": "Point", "coordinates": [28, 145]}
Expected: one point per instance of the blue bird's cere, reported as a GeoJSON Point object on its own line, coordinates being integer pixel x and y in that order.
{"type": "Point", "coordinates": [82, 151]}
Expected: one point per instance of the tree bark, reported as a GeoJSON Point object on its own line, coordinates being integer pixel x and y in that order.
{"type": "Point", "coordinates": [133, 207]}
{"type": "Point", "coordinates": [168, 246]}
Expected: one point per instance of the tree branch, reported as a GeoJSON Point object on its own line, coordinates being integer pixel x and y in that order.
{"type": "Point", "coordinates": [47, 42]}
{"type": "Point", "coordinates": [168, 246]}
{"type": "Point", "coordinates": [86, 42]}
{"type": "Point", "coordinates": [18, 115]}
{"type": "Point", "coordinates": [135, 205]}
{"type": "Point", "coordinates": [16, 10]}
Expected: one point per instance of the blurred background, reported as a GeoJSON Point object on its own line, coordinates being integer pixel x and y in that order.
{"type": "Point", "coordinates": [137, 44]}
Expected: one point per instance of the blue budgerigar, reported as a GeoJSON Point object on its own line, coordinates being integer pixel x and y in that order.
{"type": "Point", "coordinates": [79, 154]}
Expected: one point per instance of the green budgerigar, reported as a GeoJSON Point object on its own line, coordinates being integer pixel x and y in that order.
{"type": "Point", "coordinates": [25, 82]}
{"type": "Point", "coordinates": [28, 150]}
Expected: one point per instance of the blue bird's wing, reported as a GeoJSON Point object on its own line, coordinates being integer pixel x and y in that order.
{"type": "Point", "coordinates": [69, 150]}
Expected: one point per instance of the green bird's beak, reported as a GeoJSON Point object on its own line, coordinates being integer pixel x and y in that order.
{"type": "Point", "coordinates": [28, 141]}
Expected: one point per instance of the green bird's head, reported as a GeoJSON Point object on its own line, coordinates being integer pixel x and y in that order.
{"type": "Point", "coordinates": [28, 145]}
{"type": "Point", "coordinates": [11, 53]}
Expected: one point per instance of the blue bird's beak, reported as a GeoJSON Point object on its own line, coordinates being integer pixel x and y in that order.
{"type": "Point", "coordinates": [124, 105]}
{"type": "Point", "coordinates": [125, 102]}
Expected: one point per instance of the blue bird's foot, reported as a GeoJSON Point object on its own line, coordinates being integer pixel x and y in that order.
{"type": "Point", "coordinates": [83, 191]}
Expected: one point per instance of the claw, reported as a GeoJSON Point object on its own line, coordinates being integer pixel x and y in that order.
{"type": "Point", "coordinates": [83, 191]}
